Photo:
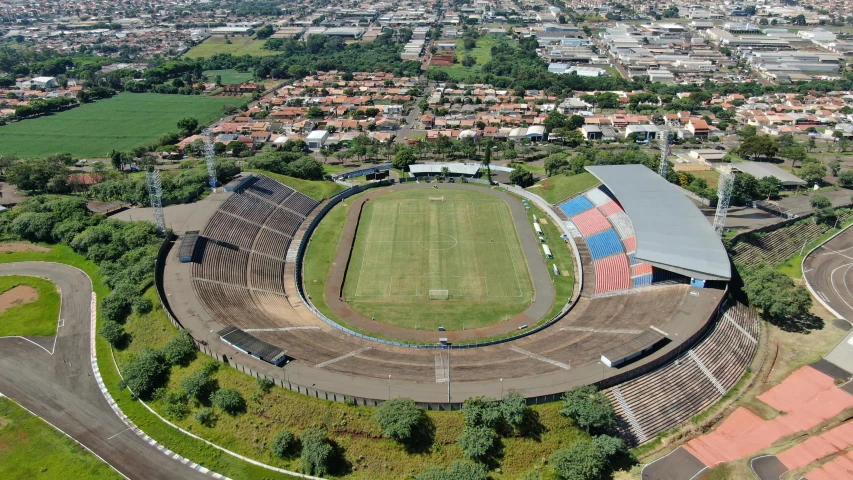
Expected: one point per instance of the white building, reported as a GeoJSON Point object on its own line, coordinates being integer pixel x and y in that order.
{"type": "Point", "coordinates": [317, 139]}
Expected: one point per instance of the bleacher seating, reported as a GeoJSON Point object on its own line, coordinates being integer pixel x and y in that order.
{"type": "Point", "coordinates": [598, 197]}
{"type": "Point", "coordinates": [622, 224]}
{"type": "Point", "coordinates": [241, 255]}
{"type": "Point", "coordinates": [630, 244]}
{"type": "Point", "coordinates": [610, 208]}
{"type": "Point", "coordinates": [591, 222]}
{"type": "Point", "coordinates": [576, 205]}
{"type": "Point", "coordinates": [604, 244]}
{"type": "Point", "coordinates": [673, 393]}
{"type": "Point", "coordinates": [612, 273]}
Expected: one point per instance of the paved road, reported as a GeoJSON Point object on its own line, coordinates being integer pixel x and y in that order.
{"type": "Point", "coordinates": [61, 388]}
{"type": "Point", "coordinates": [829, 271]}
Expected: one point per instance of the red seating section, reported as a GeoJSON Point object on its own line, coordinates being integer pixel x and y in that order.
{"type": "Point", "coordinates": [610, 208]}
{"type": "Point", "coordinates": [612, 273]}
{"type": "Point", "coordinates": [591, 222]}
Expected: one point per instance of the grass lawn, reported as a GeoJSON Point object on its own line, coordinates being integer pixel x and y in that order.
{"type": "Point", "coordinates": [30, 448]}
{"type": "Point", "coordinates": [482, 53]}
{"type": "Point", "coordinates": [316, 189]}
{"type": "Point", "coordinates": [229, 77]}
{"type": "Point", "coordinates": [560, 187]}
{"type": "Point", "coordinates": [793, 267]}
{"type": "Point", "coordinates": [123, 122]}
{"type": "Point", "coordinates": [710, 176]}
{"type": "Point", "coordinates": [238, 46]}
{"type": "Point", "coordinates": [37, 317]}
{"type": "Point", "coordinates": [466, 244]}
{"type": "Point", "coordinates": [562, 253]}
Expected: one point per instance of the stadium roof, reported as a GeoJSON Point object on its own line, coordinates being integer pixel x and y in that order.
{"type": "Point", "coordinates": [671, 232]}
{"type": "Point", "coordinates": [760, 170]}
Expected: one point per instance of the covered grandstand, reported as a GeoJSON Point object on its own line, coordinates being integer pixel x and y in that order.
{"type": "Point", "coordinates": [660, 235]}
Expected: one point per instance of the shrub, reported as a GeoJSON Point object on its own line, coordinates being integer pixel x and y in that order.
{"type": "Point", "coordinates": [112, 332]}
{"type": "Point", "coordinates": [180, 349]}
{"type": "Point", "coordinates": [197, 385]}
{"type": "Point", "coordinates": [589, 408]}
{"type": "Point", "coordinates": [457, 470]}
{"type": "Point", "coordinates": [284, 444]}
{"type": "Point", "coordinates": [228, 400]}
{"type": "Point", "coordinates": [264, 384]}
{"type": "Point", "coordinates": [820, 201]}
{"type": "Point", "coordinates": [513, 409]}
{"type": "Point", "coordinates": [477, 442]}
{"type": "Point", "coordinates": [144, 373]}
{"type": "Point", "coordinates": [480, 411]}
{"type": "Point", "coordinates": [206, 417]}
{"type": "Point", "coordinates": [140, 304]}
{"type": "Point", "coordinates": [579, 461]}
{"type": "Point", "coordinates": [398, 418]}
{"type": "Point", "coordinates": [175, 405]}
{"type": "Point", "coordinates": [316, 452]}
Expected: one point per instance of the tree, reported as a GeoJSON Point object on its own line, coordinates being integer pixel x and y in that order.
{"type": "Point", "coordinates": [404, 157]}
{"type": "Point", "coordinates": [781, 302]}
{"type": "Point", "coordinates": [188, 126]}
{"type": "Point", "coordinates": [579, 461]}
{"type": "Point", "coordinates": [589, 408]}
{"type": "Point", "coordinates": [284, 444]}
{"type": "Point", "coordinates": [521, 177]}
{"type": "Point", "coordinates": [264, 33]}
{"type": "Point", "coordinates": [458, 470]}
{"type": "Point", "coordinates": [795, 154]}
{"type": "Point", "coordinates": [481, 412]}
{"type": "Point", "coordinates": [812, 172]}
{"type": "Point", "coordinates": [113, 332]}
{"type": "Point", "coordinates": [487, 160]}
{"type": "Point", "coordinates": [316, 452]}
{"type": "Point", "coordinates": [118, 160]}
{"type": "Point", "coordinates": [845, 178]}
{"type": "Point", "coordinates": [398, 418]}
{"type": "Point", "coordinates": [769, 187]}
{"type": "Point", "coordinates": [811, 144]}
{"type": "Point", "coordinates": [747, 131]}
{"type": "Point", "coordinates": [314, 112]}
{"type": "Point", "coordinates": [513, 409]}
{"type": "Point", "coordinates": [179, 350]}
{"type": "Point", "coordinates": [759, 146]}
{"type": "Point", "coordinates": [228, 400]}
{"type": "Point", "coordinates": [477, 442]}
{"type": "Point", "coordinates": [237, 148]}
{"type": "Point", "coordinates": [198, 385]}
{"type": "Point", "coordinates": [553, 163]}
{"type": "Point", "coordinates": [574, 138]}
{"type": "Point", "coordinates": [43, 175]}
{"type": "Point", "coordinates": [145, 372]}
{"type": "Point", "coordinates": [820, 201]}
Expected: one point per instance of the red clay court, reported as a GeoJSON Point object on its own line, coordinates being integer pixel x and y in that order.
{"type": "Point", "coordinates": [442, 60]}
{"type": "Point", "coordinates": [804, 399]}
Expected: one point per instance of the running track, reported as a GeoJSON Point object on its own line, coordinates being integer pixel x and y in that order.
{"type": "Point", "coordinates": [61, 388]}
{"type": "Point", "coordinates": [829, 272]}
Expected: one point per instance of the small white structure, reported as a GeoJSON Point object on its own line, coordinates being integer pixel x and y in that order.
{"type": "Point", "coordinates": [44, 82]}
{"type": "Point", "coordinates": [547, 251]}
{"type": "Point", "coordinates": [317, 139]}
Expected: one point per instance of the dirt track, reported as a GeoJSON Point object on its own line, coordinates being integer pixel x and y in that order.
{"type": "Point", "coordinates": [544, 294]}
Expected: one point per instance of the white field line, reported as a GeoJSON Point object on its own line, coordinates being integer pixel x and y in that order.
{"type": "Point", "coordinates": [342, 357]}
{"type": "Point", "coordinates": [540, 358]}
{"type": "Point", "coordinates": [601, 330]}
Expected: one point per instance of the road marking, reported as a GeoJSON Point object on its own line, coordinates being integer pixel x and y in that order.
{"type": "Point", "coordinates": [283, 329]}
{"type": "Point", "coordinates": [540, 358]}
{"type": "Point", "coordinates": [119, 433]}
{"type": "Point", "coordinates": [342, 357]}
{"type": "Point", "coordinates": [598, 330]}
{"type": "Point", "coordinates": [832, 281]}
{"type": "Point", "coordinates": [658, 330]}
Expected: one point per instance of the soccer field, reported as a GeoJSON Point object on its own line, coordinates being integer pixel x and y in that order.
{"type": "Point", "coordinates": [426, 258]}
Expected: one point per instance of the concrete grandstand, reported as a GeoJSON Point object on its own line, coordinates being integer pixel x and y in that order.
{"type": "Point", "coordinates": [246, 274]}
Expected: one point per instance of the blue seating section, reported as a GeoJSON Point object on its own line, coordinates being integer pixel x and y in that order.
{"type": "Point", "coordinates": [631, 260]}
{"type": "Point", "coordinates": [604, 244]}
{"type": "Point", "coordinates": [576, 206]}
{"type": "Point", "coordinates": [643, 280]}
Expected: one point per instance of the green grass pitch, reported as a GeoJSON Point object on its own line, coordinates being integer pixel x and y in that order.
{"type": "Point", "coordinates": [123, 122]}
{"type": "Point", "coordinates": [409, 244]}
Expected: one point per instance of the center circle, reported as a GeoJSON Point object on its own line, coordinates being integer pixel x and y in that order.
{"type": "Point", "coordinates": [437, 241]}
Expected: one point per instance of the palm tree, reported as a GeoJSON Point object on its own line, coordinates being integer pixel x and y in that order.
{"type": "Point", "coordinates": [487, 161]}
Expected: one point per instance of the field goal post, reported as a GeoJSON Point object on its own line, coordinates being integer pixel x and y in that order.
{"type": "Point", "coordinates": [439, 294]}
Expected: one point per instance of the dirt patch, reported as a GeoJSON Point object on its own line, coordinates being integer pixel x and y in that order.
{"type": "Point", "coordinates": [4, 422]}
{"type": "Point", "coordinates": [21, 247]}
{"type": "Point", "coordinates": [17, 296]}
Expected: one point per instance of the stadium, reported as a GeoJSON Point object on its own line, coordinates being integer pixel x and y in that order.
{"type": "Point", "coordinates": [444, 291]}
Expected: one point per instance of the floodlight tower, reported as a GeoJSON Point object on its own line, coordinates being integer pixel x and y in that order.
{"type": "Point", "coordinates": [724, 195]}
{"type": "Point", "coordinates": [155, 193]}
{"type": "Point", "coordinates": [663, 141]}
{"type": "Point", "coordinates": [210, 157]}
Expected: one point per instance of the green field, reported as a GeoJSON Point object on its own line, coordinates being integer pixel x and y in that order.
{"type": "Point", "coordinates": [560, 187]}
{"type": "Point", "coordinates": [316, 189]}
{"type": "Point", "coordinates": [408, 245]}
{"type": "Point", "coordinates": [123, 122]}
{"type": "Point", "coordinates": [482, 53]}
{"type": "Point", "coordinates": [37, 317]}
{"type": "Point", "coordinates": [30, 449]}
{"type": "Point", "coordinates": [229, 77]}
{"type": "Point", "coordinates": [238, 46]}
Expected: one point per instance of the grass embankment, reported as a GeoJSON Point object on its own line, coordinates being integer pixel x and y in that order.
{"type": "Point", "coordinates": [409, 245]}
{"type": "Point", "coordinates": [320, 252]}
{"type": "Point", "coordinates": [370, 456]}
{"type": "Point", "coordinates": [793, 267]}
{"type": "Point", "coordinates": [30, 448]}
{"type": "Point", "coordinates": [238, 46]}
{"type": "Point", "coordinates": [564, 283]}
{"type": "Point", "coordinates": [560, 187]}
{"type": "Point", "coordinates": [229, 77]}
{"type": "Point", "coordinates": [37, 317]}
{"type": "Point", "coordinates": [123, 122]}
{"type": "Point", "coordinates": [316, 189]}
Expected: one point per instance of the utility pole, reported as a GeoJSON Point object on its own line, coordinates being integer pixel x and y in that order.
{"type": "Point", "coordinates": [210, 157]}
{"type": "Point", "coordinates": [155, 194]}
{"type": "Point", "coordinates": [448, 373]}
{"type": "Point", "coordinates": [724, 194]}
